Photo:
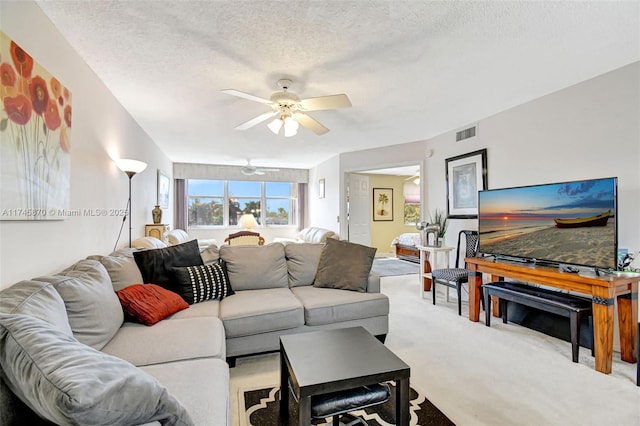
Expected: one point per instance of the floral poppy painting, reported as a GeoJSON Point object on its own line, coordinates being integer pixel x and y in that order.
{"type": "Point", "coordinates": [35, 138]}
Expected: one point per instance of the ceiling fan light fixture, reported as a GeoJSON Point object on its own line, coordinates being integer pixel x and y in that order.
{"type": "Point", "coordinates": [290, 127]}
{"type": "Point", "coordinates": [275, 126]}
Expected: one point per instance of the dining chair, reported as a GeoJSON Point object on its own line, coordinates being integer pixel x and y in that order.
{"type": "Point", "coordinates": [245, 238]}
{"type": "Point", "coordinates": [455, 277]}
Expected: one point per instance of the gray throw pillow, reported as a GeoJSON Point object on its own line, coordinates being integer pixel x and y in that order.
{"type": "Point", "coordinates": [67, 382]}
{"type": "Point", "coordinates": [344, 265]}
{"type": "Point", "coordinates": [94, 311]}
{"type": "Point", "coordinates": [38, 299]}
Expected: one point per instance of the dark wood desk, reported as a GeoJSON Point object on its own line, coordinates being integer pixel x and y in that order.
{"type": "Point", "coordinates": [604, 289]}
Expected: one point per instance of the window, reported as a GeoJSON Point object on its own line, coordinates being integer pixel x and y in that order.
{"type": "Point", "coordinates": [411, 193]}
{"type": "Point", "coordinates": [206, 202]}
{"type": "Point", "coordinates": [221, 203]}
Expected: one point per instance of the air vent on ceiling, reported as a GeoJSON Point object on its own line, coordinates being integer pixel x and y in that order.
{"type": "Point", "coordinates": [466, 133]}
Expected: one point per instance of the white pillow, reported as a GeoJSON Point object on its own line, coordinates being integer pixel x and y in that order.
{"type": "Point", "coordinates": [67, 382]}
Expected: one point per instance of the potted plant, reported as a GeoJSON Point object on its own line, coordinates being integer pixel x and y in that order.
{"type": "Point", "coordinates": [439, 218]}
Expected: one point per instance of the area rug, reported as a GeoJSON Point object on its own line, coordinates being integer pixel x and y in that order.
{"type": "Point", "coordinates": [390, 266]}
{"type": "Point", "coordinates": [259, 407]}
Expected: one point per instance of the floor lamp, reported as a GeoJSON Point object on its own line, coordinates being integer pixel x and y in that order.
{"type": "Point", "coordinates": [131, 168]}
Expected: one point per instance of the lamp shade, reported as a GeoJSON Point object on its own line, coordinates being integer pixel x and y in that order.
{"type": "Point", "coordinates": [290, 127]}
{"type": "Point", "coordinates": [275, 126]}
{"type": "Point", "coordinates": [247, 221]}
{"type": "Point", "coordinates": [131, 166]}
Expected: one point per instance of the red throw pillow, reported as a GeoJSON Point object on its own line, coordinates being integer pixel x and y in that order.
{"type": "Point", "coordinates": [149, 303]}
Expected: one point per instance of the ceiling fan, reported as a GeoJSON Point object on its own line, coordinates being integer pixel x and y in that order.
{"type": "Point", "coordinates": [290, 110]}
{"type": "Point", "coordinates": [250, 170]}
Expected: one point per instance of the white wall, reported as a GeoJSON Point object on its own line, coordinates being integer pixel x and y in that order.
{"type": "Point", "coordinates": [589, 130]}
{"type": "Point", "coordinates": [102, 130]}
{"type": "Point", "coordinates": [324, 212]}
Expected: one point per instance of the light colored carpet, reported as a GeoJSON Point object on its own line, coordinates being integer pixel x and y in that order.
{"type": "Point", "coordinates": [502, 375]}
{"type": "Point", "coordinates": [389, 266]}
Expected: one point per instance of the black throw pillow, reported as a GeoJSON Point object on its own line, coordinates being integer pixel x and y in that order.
{"type": "Point", "coordinates": [156, 265]}
{"type": "Point", "coordinates": [202, 282]}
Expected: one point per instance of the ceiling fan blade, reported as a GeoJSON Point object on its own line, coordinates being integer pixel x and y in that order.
{"type": "Point", "coordinates": [311, 124]}
{"type": "Point", "coordinates": [326, 102]}
{"type": "Point", "coordinates": [240, 94]}
{"type": "Point", "coordinates": [256, 120]}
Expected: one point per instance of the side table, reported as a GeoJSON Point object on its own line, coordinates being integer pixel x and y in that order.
{"type": "Point", "coordinates": [439, 259]}
{"type": "Point", "coordinates": [158, 230]}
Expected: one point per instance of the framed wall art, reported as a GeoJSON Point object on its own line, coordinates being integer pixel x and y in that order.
{"type": "Point", "coordinates": [382, 204]}
{"type": "Point", "coordinates": [35, 129]}
{"type": "Point", "coordinates": [466, 174]}
{"type": "Point", "coordinates": [321, 188]}
{"type": "Point", "coordinates": [163, 190]}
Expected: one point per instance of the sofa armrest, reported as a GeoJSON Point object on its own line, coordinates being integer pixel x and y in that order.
{"type": "Point", "coordinates": [373, 285]}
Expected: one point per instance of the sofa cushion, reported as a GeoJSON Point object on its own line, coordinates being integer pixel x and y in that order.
{"type": "Point", "coordinates": [155, 265]}
{"type": "Point", "coordinates": [67, 382]}
{"type": "Point", "coordinates": [256, 267]}
{"type": "Point", "coordinates": [208, 403]}
{"type": "Point", "coordinates": [38, 299]}
{"type": "Point", "coordinates": [302, 262]}
{"type": "Point", "coordinates": [344, 265]}
{"type": "Point", "coordinates": [198, 283]}
{"type": "Point", "coordinates": [148, 243]}
{"type": "Point", "coordinates": [122, 268]}
{"type": "Point", "coordinates": [250, 312]}
{"type": "Point", "coordinates": [210, 254]}
{"type": "Point", "coordinates": [169, 340]}
{"type": "Point", "coordinates": [149, 303]}
{"type": "Point", "coordinates": [93, 308]}
{"type": "Point", "coordinates": [208, 308]}
{"type": "Point", "coordinates": [327, 305]}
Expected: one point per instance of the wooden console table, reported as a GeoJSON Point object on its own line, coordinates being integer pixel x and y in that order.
{"type": "Point", "coordinates": [604, 290]}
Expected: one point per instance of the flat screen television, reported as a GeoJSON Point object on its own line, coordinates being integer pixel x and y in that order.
{"type": "Point", "coordinates": [573, 223]}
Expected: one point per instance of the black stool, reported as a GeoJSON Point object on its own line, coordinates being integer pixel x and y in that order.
{"type": "Point", "coordinates": [336, 403]}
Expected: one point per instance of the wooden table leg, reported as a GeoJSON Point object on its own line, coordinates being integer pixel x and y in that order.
{"type": "Point", "coordinates": [402, 402]}
{"type": "Point", "coordinates": [627, 322]}
{"type": "Point", "coordinates": [603, 319]}
{"type": "Point", "coordinates": [426, 267]}
{"type": "Point", "coordinates": [475, 281]}
{"type": "Point", "coordinates": [495, 301]}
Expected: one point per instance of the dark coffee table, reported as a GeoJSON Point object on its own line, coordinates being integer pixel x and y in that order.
{"type": "Point", "coordinates": [319, 362]}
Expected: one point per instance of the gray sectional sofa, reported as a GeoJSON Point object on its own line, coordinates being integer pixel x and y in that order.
{"type": "Point", "coordinates": [179, 361]}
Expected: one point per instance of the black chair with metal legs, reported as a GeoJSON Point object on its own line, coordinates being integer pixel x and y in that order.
{"type": "Point", "coordinates": [455, 277]}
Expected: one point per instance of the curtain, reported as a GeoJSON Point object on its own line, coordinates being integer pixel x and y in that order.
{"type": "Point", "coordinates": [182, 214]}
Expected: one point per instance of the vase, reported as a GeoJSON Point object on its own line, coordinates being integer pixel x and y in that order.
{"type": "Point", "coordinates": [440, 242]}
{"type": "Point", "coordinates": [157, 215]}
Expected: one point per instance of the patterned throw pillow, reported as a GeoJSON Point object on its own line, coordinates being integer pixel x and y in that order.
{"type": "Point", "coordinates": [202, 282]}
{"type": "Point", "coordinates": [149, 303]}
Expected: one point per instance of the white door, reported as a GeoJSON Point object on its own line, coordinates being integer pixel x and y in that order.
{"type": "Point", "coordinates": [359, 209]}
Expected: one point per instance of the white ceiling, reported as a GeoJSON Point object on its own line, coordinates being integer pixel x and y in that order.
{"type": "Point", "coordinates": [412, 69]}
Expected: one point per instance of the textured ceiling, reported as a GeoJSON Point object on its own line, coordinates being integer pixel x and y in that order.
{"type": "Point", "coordinates": [412, 69]}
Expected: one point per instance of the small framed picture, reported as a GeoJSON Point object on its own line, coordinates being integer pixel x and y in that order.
{"type": "Point", "coordinates": [382, 204]}
{"type": "Point", "coordinates": [163, 190]}
{"type": "Point", "coordinates": [466, 175]}
{"type": "Point", "coordinates": [321, 188]}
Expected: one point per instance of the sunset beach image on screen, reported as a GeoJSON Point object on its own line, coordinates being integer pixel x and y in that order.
{"type": "Point", "coordinates": [568, 222]}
